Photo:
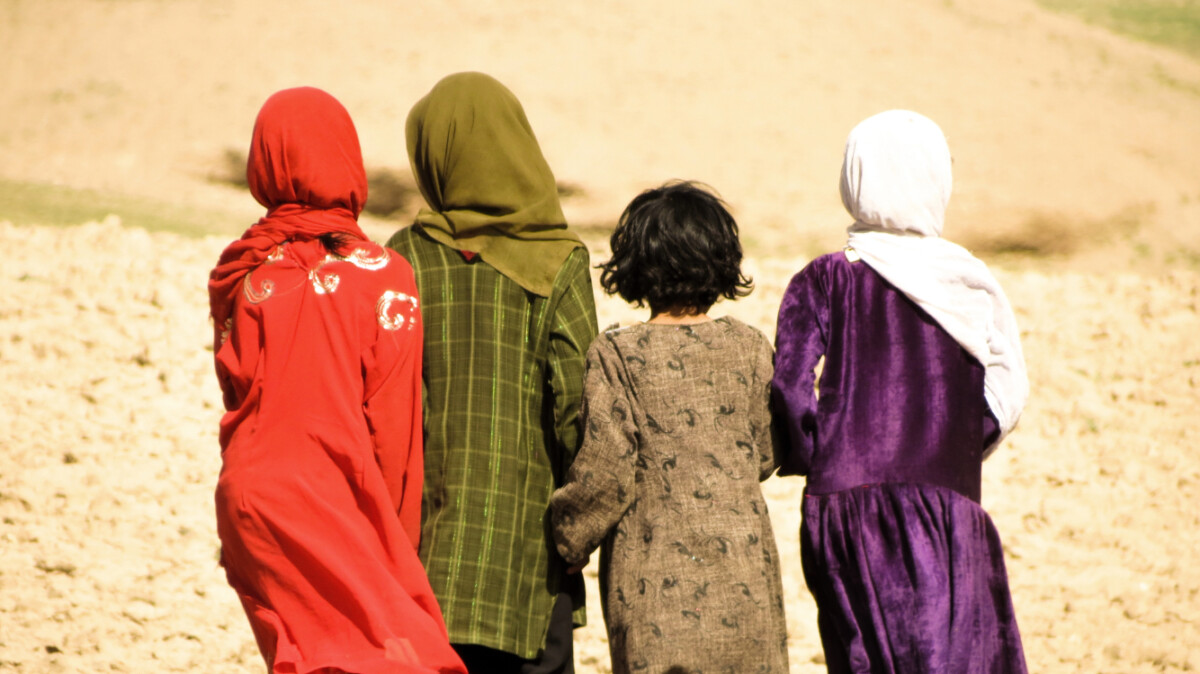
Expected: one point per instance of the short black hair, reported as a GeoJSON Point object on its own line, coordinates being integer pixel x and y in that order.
{"type": "Point", "coordinates": [675, 246]}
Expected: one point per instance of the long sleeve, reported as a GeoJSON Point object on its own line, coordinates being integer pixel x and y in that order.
{"type": "Point", "coordinates": [600, 483]}
{"type": "Point", "coordinates": [800, 341]}
{"type": "Point", "coordinates": [392, 405]}
{"type": "Point", "coordinates": [761, 425]}
{"type": "Point", "coordinates": [571, 333]}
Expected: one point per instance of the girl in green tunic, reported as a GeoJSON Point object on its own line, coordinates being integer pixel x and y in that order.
{"type": "Point", "coordinates": [508, 312]}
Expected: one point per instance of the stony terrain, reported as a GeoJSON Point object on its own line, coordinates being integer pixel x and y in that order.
{"type": "Point", "coordinates": [1076, 161]}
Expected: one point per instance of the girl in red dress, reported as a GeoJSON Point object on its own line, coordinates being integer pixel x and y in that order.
{"type": "Point", "coordinates": [318, 353]}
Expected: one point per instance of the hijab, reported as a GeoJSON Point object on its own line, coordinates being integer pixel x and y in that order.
{"type": "Point", "coordinates": [489, 189]}
{"type": "Point", "coordinates": [305, 166]}
{"type": "Point", "coordinates": [896, 182]}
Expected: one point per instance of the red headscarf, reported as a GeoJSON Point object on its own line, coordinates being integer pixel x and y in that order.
{"type": "Point", "coordinates": [306, 167]}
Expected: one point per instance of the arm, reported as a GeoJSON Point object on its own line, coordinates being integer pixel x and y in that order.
{"type": "Point", "coordinates": [600, 483]}
{"type": "Point", "coordinates": [991, 432]}
{"type": "Point", "coordinates": [572, 329]}
{"type": "Point", "coordinates": [761, 426]}
{"type": "Point", "coordinates": [392, 402]}
{"type": "Point", "coordinates": [800, 341]}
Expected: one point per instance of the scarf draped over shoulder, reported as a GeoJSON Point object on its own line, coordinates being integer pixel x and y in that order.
{"type": "Point", "coordinates": [305, 166]}
{"type": "Point", "coordinates": [488, 186]}
{"type": "Point", "coordinates": [896, 182]}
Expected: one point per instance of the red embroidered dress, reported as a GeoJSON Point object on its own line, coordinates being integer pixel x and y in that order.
{"type": "Point", "coordinates": [319, 360]}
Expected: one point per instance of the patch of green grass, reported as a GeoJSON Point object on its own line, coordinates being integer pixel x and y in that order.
{"type": "Point", "coordinates": [1171, 23]}
{"type": "Point", "coordinates": [26, 203]}
{"type": "Point", "coordinates": [1044, 234]}
{"type": "Point", "coordinates": [391, 194]}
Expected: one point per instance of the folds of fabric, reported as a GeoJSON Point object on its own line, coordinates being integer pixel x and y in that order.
{"type": "Point", "coordinates": [677, 440]}
{"type": "Point", "coordinates": [503, 379]}
{"type": "Point", "coordinates": [489, 189]}
{"type": "Point", "coordinates": [899, 399]}
{"type": "Point", "coordinates": [305, 150]}
{"type": "Point", "coordinates": [896, 181]}
{"type": "Point", "coordinates": [319, 360]}
{"type": "Point", "coordinates": [321, 445]}
{"type": "Point", "coordinates": [305, 166]}
{"type": "Point", "coordinates": [908, 578]}
{"type": "Point", "coordinates": [905, 567]}
{"type": "Point", "coordinates": [956, 289]}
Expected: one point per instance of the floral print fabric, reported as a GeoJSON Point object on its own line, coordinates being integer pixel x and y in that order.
{"type": "Point", "coordinates": [677, 437]}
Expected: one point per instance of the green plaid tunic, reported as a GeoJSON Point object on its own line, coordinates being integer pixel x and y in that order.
{"type": "Point", "coordinates": [503, 377]}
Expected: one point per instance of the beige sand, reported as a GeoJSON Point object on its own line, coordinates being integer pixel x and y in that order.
{"type": "Point", "coordinates": [1084, 143]}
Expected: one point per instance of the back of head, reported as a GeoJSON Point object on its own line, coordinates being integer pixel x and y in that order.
{"type": "Point", "coordinates": [305, 151]}
{"type": "Point", "coordinates": [476, 159]}
{"type": "Point", "coordinates": [896, 179]}
{"type": "Point", "coordinates": [896, 174]}
{"type": "Point", "coordinates": [488, 186]}
{"type": "Point", "coordinates": [675, 246]}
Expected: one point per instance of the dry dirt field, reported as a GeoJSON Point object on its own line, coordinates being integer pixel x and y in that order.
{"type": "Point", "coordinates": [1077, 177]}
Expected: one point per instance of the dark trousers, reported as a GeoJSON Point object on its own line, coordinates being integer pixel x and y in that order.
{"type": "Point", "coordinates": [558, 657]}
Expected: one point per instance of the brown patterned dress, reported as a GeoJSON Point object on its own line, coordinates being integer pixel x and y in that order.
{"type": "Point", "coordinates": [678, 436]}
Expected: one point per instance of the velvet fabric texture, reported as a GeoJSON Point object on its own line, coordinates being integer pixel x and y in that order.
{"type": "Point", "coordinates": [900, 400]}
{"type": "Point", "coordinates": [318, 356]}
{"type": "Point", "coordinates": [906, 568]}
{"type": "Point", "coordinates": [896, 182]}
{"type": "Point", "coordinates": [489, 189]}
{"type": "Point", "coordinates": [920, 588]}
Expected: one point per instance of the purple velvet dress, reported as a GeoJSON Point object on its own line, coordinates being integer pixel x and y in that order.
{"type": "Point", "coordinates": [905, 566]}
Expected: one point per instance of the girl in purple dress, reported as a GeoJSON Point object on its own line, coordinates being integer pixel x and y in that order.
{"type": "Point", "coordinates": [922, 377]}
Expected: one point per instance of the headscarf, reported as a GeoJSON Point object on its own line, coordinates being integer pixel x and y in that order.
{"type": "Point", "coordinates": [896, 182]}
{"type": "Point", "coordinates": [489, 189]}
{"type": "Point", "coordinates": [305, 166]}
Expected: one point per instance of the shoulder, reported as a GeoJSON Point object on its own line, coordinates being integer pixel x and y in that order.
{"type": "Point", "coordinates": [823, 265]}
{"type": "Point", "coordinates": [369, 256]}
{"type": "Point", "coordinates": [756, 343]}
{"type": "Point", "coordinates": [403, 237]}
{"type": "Point", "coordinates": [741, 329]}
{"type": "Point", "coordinates": [413, 243]}
{"type": "Point", "coordinates": [825, 272]}
{"type": "Point", "coordinates": [579, 256]}
{"type": "Point", "coordinates": [573, 269]}
{"type": "Point", "coordinates": [608, 338]}
{"type": "Point", "coordinates": [617, 339]}
{"type": "Point", "coordinates": [603, 352]}
{"type": "Point", "coordinates": [367, 266]}
{"type": "Point", "coordinates": [431, 260]}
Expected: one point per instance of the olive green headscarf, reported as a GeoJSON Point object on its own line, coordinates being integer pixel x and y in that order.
{"type": "Point", "coordinates": [489, 188]}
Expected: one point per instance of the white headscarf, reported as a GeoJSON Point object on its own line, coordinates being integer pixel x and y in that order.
{"type": "Point", "coordinates": [896, 181]}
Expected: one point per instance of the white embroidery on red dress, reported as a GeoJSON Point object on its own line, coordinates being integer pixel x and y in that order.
{"type": "Point", "coordinates": [404, 314]}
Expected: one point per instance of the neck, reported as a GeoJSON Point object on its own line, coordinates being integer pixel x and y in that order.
{"type": "Point", "coordinates": [678, 316]}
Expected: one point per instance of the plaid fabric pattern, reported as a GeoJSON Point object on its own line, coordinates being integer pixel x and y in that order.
{"type": "Point", "coordinates": [503, 378]}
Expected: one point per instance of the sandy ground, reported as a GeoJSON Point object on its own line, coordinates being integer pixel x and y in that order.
{"type": "Point", "coordinates": [1061, 132]}
{"type": "Point", "coordinates": [109, 548]}
{"type": "Point", "coordinates": [1078, 141]}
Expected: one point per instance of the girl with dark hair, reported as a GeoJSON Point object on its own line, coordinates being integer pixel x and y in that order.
{"type": "Point", "coordinates": [318, 353]}
{"type": "Point", "coordinates": [677, 437]}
